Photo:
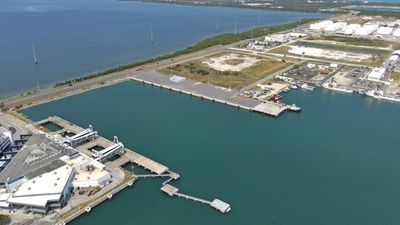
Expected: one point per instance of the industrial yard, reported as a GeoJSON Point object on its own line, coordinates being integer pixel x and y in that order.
{"type": "Point", "coordinates": [347, 54]}
{"type": "Point", "coordinates": [227, 69]}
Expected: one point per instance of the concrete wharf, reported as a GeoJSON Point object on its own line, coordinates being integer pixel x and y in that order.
{"type": "Point", "coordinates": [129, 156]}
{"type": "Point", "coordinates": [259, 107]}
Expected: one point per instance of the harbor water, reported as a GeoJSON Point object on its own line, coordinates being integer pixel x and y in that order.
{"type": "Point", "coordinates": [73, 38]}
{"type": "Point", "coordinates": [336, 162]}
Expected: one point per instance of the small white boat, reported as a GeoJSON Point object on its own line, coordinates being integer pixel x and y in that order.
{"type": "Point", "coordinates": [307, 87]}
{"type": "Point", "coordinates": [294, 107]}
{"type": "Point", "coordinates": [294, 86]}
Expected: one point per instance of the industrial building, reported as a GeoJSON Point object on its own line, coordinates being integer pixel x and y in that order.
{"type": "Point", "coordinates": [396, 33]}
{"type": "Point", "coordinates": [378, 29]}
{"type": "Point", "coordinates": [89, 172]}
{"type": "Point", "coordinates": [376, 74]}
{"type": "Point", "coordinates": [46, 191]}
{"type": "Point", "coordinates": [385, 31]}
{"type": "Point", "coordinates": [42, 175]}
{"type": "Point", "coordinates": [277, 38]}
{"type": "Point", "coordinates": [366, 30]}
{"type": "Point", "coordinates": [349, 29]}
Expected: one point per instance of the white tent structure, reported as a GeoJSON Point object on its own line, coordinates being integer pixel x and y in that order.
{"type": "Point", "coordinates": [396, 33]}
{"type": "Point", "coordinates": [335, 26]}
{"type": "Point", "coordinates": [367, 30]}
{"type": "Point", "coordinates": [320, 25]}
{"type": "Point", "coordinates": [385, 31]}
{"type": "Point", "coordinates": [350, 29]}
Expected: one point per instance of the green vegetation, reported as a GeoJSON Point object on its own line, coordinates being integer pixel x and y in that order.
{"type": "Point", "coordinates": [197, 70]}
{"type": "Point", "coordinates": [290, 5]}
{"type": "Point", "coordinates": [223, 39]}
{"type": "Point", "coordinates": [4, 219]}
{"type": "Point", "coordinates": [353, 41]}
{"type": "Point", "coordinates": [395, 76]}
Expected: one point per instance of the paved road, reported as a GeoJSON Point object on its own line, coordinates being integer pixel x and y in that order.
{"type": "Point", "coordinates": [49, 94]}
{"type": "Point", "coordinates": [113, 78]}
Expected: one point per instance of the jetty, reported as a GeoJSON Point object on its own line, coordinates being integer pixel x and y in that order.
{"type": "Point", "coordinates": [266, 108]}
{"type": "Point", "coordinates": [129, 156]}
{"type": "Point", "coordinates": [88, 140]}
{"type": "Point", "coordinates": [221, 206]}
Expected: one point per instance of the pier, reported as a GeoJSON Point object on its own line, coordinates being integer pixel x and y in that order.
{"type": "Point", "coordinates": [89, 142]}
{"type": "Point", "coordinates": [221, 206]}
{"type": "Point", "coordinates": [129, 156]}
{"type": "Point", "coordinates": [270, 109]}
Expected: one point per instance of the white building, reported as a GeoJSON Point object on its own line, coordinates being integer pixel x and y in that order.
{"type": "Point", "coordinates": [376, 74]}
{"type": "Point", "coordinates": [385, 31]}
{"type": "Point", "coordinates": [367, 30]}
{"type": "Point", "coordinates": [89, 172]}
{"type": "Point", "coordinates": [396, 33]}
{"type": "Point", "coordinates": [349, 29]}
{"type": "Point", "coordinates": [394, 58]}
{"type": "Point", "coordinates": [333, 27]}
{"type": "Point", "coordinates": [44, 192]}
{"type": "Point", "coordinates": [278, 38]}
{"type": "Point", "coordinates": [320, 25]}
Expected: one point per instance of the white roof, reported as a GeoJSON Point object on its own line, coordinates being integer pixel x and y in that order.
{"type": "Point", "coordinates": [396, 32]}
{"type": "Point", "coordinates": [95, 175]}
{"type": "Point", "coordinates": [335, 26]}
{"type": "Point", "coordinates": [41, 189]}
{"type": "Point", "coordinates": [377, 73]}
{"type": "Point", "coordinates": [385, 30]}
{"type": "Point", "coordinates": [367, 29]}
{"type": "Point", "coordinates": [394, 57]}
{"type": "Point", "coordinates": [276, 37]}
{"type": "Point", "coordinates": [320, 25]}
{"type": "Point", "coordinates": [351, 28]}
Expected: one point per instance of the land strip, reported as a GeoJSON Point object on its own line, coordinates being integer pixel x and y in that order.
{"type": "Point", "coordinates": [114, 76]}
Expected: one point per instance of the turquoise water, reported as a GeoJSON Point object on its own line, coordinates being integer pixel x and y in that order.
{"type": "Point", "coordinates": [77, 37]}
{"type": "Point", "coordinates": [336, 162]}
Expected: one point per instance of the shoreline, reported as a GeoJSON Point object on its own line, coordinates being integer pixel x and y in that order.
{"type": "Point", "coordinates": [302, 7]}
{"type": "Point", "coordinates": [120, 74]}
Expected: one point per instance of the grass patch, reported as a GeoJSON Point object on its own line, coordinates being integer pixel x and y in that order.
{"type": "Point", "coordinates": [223, 39]}
{"type": "Point", "coordinates": [395, 76]}
{"type": "Point", "coordinates": [353, 41]}
{"type": "Point", "coordinates": [197, 70]}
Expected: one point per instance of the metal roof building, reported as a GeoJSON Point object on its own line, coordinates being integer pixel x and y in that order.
{"type": "Point", "coordinates": [45, 191]}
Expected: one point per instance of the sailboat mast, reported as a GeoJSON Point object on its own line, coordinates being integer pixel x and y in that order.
{"type": "Point", "coordinates": [151, 35]}
{"type": "Point", "coordinates": [34, 54]}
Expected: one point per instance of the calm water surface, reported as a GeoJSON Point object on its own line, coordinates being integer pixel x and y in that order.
{"type": "Point", "coordinates": [76, 37]}
{"type": "Point", "coordinates": [337, 162]}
